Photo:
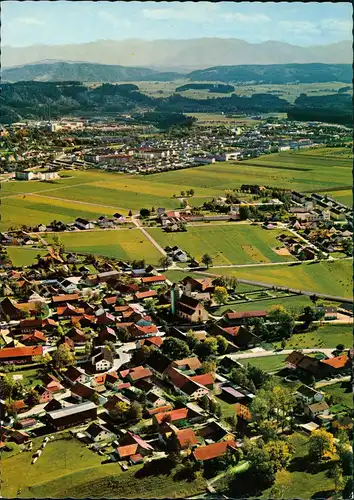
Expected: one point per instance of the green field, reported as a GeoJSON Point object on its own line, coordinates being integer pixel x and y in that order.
{"type": "Point", "coordinates": [24, 256]}
{"type": "Point", "coordinates": [267, 363]}
{"type": "Point", "coordinates": [344, 196]}
{"type": "Point", "coordinates": [296, 303]}
{"type": "Point", "coordinates": [289, 170]}
{"type": "Point", "coordinates": [67, 468]}
{"type": "Point", "coordinates": [332, 278]}
{"type": "Point", "coordinates": [108, 192]}
{"type": "Point", "coordinates": [226, 244]}
{"type": "Point", "coordinates": [125, 244]}
{"type": "Point", "coordinates": [326, 336]}
{"type": "Point", "coordinates": [343, 391]}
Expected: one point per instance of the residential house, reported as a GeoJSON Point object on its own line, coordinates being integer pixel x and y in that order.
{"type": "Point", "coordinates": [215, 450]}
{"type": "Point", "coordinates": [82, 392]}
{"type": "Point", "coordinates": [103, 360]}
{"type": "Point", "coordinates": [44, 394]}
{"type": "Point", "coordinates": [185, 439]}
{"type": "Point", "coordinates": [315, 409]}
{"type": "Point", "coordinates": [240, 318]}
{"type": "Point", "coordinates": [98, 432]}
{"type": "Point", "coordinates": [74, 374]}
{"type": "Point", "coordinates": [83, 223]}
{"type": "Point", "coordinates": [336, 365]}
{"type": "Point", "coordinates": [308, 395]}
{"type": "Point", "coordinates": [20, 355]}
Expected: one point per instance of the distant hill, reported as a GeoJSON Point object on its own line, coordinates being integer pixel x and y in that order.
{"type": "Point", "coordinates": [176, 54]}
{"type": "Point", "coordinates": [104, 73]}
{"type": "Point", "coordinates": [276, 73]}
{"type": "Point", "coordinates": [83, 72]}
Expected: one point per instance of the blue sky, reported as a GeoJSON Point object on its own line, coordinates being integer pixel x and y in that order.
{"type": "Point", "coordinates": [68, 22]}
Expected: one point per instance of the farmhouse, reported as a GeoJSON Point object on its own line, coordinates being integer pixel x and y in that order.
{"type": "Point", "coordinates": [215, 450]}
{"type": "Point", "coordinates": [76, 414]}
{"type": "Point", "coordinates": [20, 355]}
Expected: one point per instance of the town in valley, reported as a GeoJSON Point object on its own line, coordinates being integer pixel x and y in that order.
{"type": "Point", "coordinates": [176, 305]}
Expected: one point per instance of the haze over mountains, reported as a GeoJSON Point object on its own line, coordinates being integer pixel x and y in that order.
{"type": "Point", "coordinates": [180, 55]}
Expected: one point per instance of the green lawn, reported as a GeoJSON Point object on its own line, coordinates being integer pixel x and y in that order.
{"type": "Point", "coordinates": [267, 363]}
{"type": "Point", "coordinates": [327, 336]}
{"type": "Point", "coordinates": [342, 390]}
{"type": "Point", "coordinates": [226, 244]}
{"type": "Point", "coordinates": [125, 244]}
{"type": "Point", "coordinates": [24, 256]}
{"type": "Point", "coordinates": [294, 304]}
{"type": "Point", "coordinates": [332, 278]}
{"type": "Point", "coordinates": [67, 468]}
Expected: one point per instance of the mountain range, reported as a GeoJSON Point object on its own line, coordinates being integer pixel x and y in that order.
{"type": "Point", "coordinates": [99, 73]}
{"type": "Point", "coordinates": [179, 55]}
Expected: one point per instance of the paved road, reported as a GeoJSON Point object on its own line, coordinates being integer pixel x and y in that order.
{"type": "Point", "coordinates": [258, 354]}
{"type": "Point", "coordinates": [136, 221]}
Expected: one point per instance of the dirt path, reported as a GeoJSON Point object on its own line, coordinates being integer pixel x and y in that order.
{"type": "Point", "coordinates": [136, 221]}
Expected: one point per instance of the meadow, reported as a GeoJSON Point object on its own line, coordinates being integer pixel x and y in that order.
{"type": "Point", "coordinates": [342, 391]}
{"type": "Point", "coordinates": [94, 192]}
{"type": "Point", "coordinates": [267, 363]}
{"type": "Point", "coordinates": [124, 244]}
{"type": "Point", "coordinates": [326, 336]}
{"type": "Point", "coordinates": [24, 256]}
{"type": "Point", "coordinates": [288, 92]}
{"type": "Point", "coordinates": [226, 244]}
{"type": "Point", "coordinates": [67, 468]}
{"type": "Point", "coordinates": [332, 278]}
{"type": "Point", "coordinates": [288, 170]}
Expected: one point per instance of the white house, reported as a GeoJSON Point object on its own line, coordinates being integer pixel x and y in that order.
{"type": "Point", "coordinates": [103, 360]}
{"type": "Point", "coordinates": [98, 432]}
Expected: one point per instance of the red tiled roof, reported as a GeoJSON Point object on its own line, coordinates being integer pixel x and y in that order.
{"type": "Point", "coordinates": [36, 335]}
{"type": "Point", "coordinates": [100, 379]}
{"type": "Point", "coordinates": [160, 409]}
{"type": "Point", "coordinates": [192, 363]}
{"type": "Point", "coordinates": [127, 451]}
{"type": "Point", "coordinates": [246, 314]}
{"type": "Point", "coordinates": [173, 416]}
{"type": "Point", "coordinates": [17, 352]}
{"type": "Point", "coordinates": [65, 298]}
{"type": "Point", "coordinates": [152, 279]}
{"type": "Point", "coordinates": [155, 340]}
{"type": "Point", "coordinates": [145, 295]}
{"type": "Point", "coordinates": [205, 379]}
{"type": "Point", "coordinates": [337, 362]}
{"type": "Point", "coordinates": [213, 450]}
{"type": "Point", "coordinates": [139, 373]}
{"type": "Point", "coordinates": [232, 330]}
{"type": "Point", "coordinates": [186, 437]}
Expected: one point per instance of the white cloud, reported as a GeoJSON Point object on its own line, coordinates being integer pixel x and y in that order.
{"type": "Point", "coordinates": [337, 26]}
{"type": "Point", "coordinates": [243, 18]}
{"type": "Point", "coordinates": [113, 20]}
{"type": "Point", "coordinates": [29, 20]}
{"type": "Point", "coordinates": [197, 13]}
{"type": "Point", "coordinates": [300, 27]}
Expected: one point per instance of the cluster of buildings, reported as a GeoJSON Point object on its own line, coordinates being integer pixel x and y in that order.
{"type": "Point", "coordinates": [115, 322]}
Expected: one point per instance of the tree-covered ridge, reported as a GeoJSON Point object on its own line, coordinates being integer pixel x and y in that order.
{"type": "Point", "coordinates": [276, 73]}
{"type": "Point", "coordinates": [32, 100]}
{"type": "Point", "coordinates": [85, 72]}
